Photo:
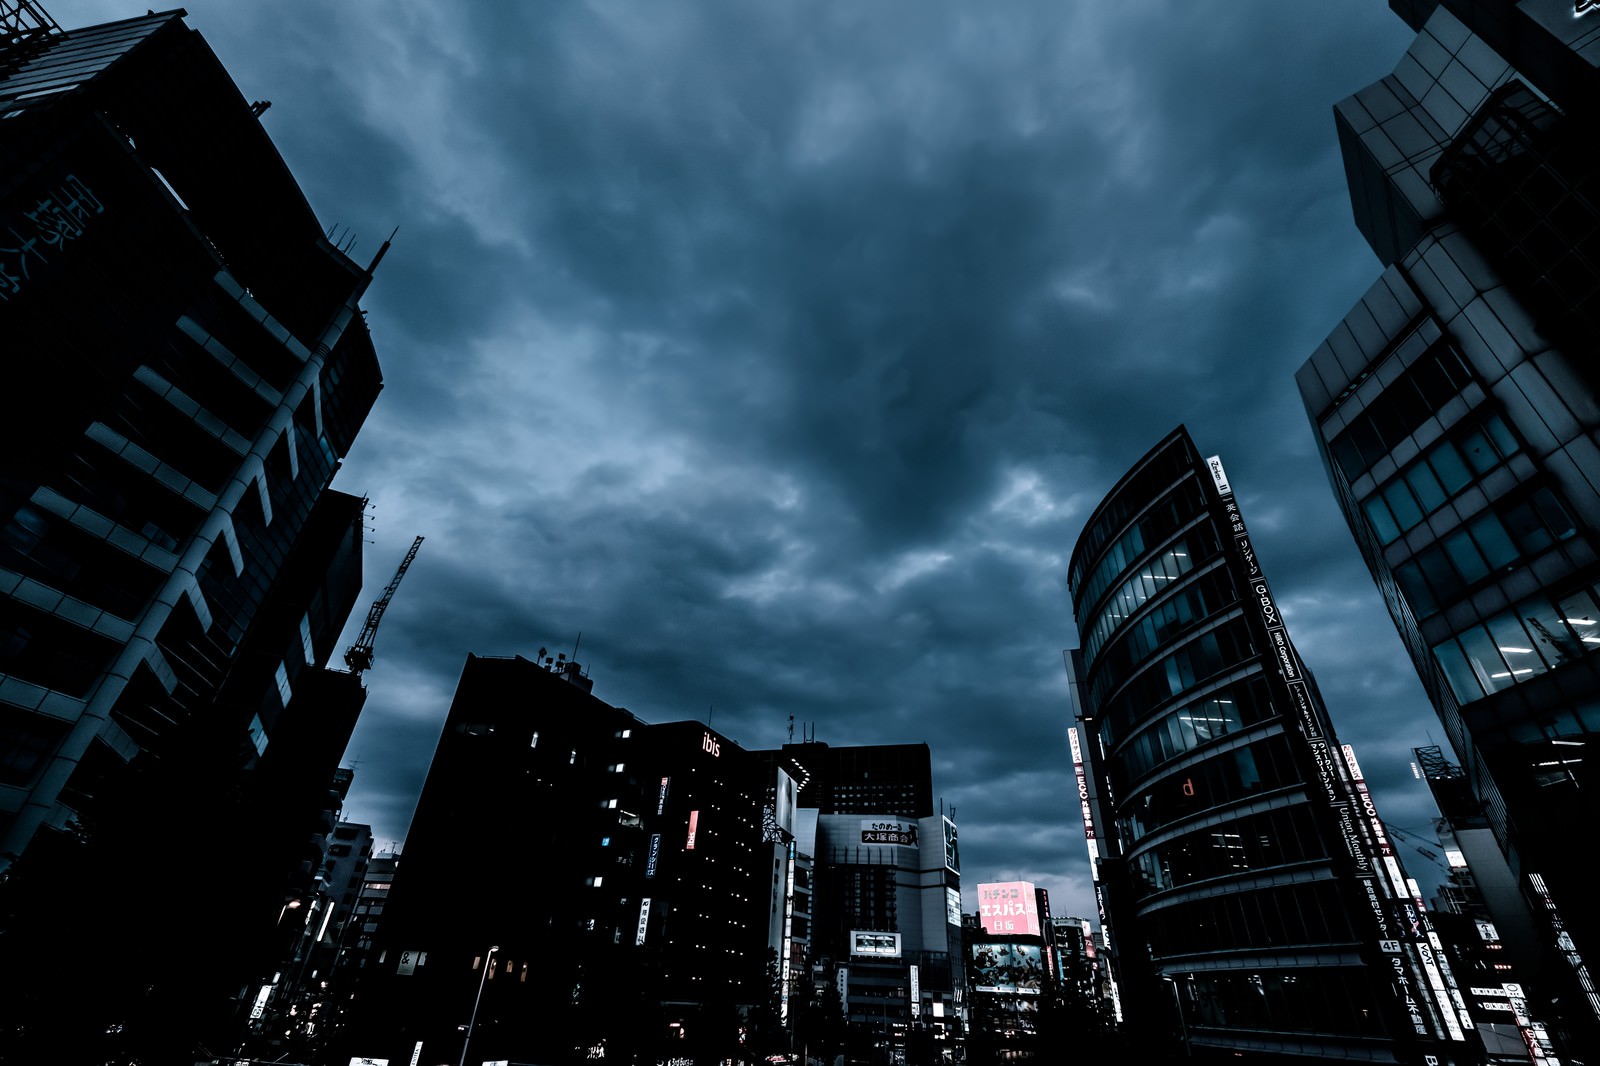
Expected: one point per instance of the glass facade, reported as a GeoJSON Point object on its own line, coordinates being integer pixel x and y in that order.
{"type": "Point", "coordinates": [1477, 506]}
{"type": "Point", "coordinates": [1229, 884]}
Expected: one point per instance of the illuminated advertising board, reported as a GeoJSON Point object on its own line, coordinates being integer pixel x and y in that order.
{"type": "Point", "coordinates": [878, 945]}
{"type": "Point", "coordinates": [661, 797]}
{"type": "Point", "coordinates": [644, 921]}
{"type": "Point", "coordinates": [952, 906]}
{"type": "Point", "coordinates": [886, 831]}
{"type": "Point", "coordinates": [1008, 907]}
{"type": "Point", "coordinates": [1008, 969]}
{"type": "Point", "coordinates": [694, 824]}
{"type": "Point", "coordinates": [655, 854]}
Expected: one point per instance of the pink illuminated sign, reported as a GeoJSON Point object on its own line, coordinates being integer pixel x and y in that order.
{"type": "Point", "coordinates": [1008, 907]}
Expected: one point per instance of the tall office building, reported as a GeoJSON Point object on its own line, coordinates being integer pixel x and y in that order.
{"type": "Point", "coordinates": [1456, 410]}
{"type": "Point", "coordinates": [187, 363]}
{"type": "Point", "coordinates": [1250, 896]}
{"type": "Point", "coordinates": [886, 905]}
{"type": "Point", "coordinates": [576, 884]}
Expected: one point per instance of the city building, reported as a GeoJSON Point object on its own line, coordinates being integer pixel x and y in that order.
{"type": "Point", "coordinates": [577, 884]}
{"type": "Point", "coordinates": [174, 569]}
{"type": "Point", "coordinates": [1251, 901]}
{"type": "Point", "coordinates": [1490, 963]}
{"type": "Point", "coordinates": [1455, 408]}
{"type": "Point", "coordinates": [886, 899]}
{"type": "Point", "coordinates": [1010, 961]}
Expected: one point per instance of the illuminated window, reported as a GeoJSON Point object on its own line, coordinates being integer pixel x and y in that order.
{"type": "Point", "coordinates": [283, 684]}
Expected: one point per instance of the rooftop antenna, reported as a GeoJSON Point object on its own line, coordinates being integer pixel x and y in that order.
{"type": "Point", "coordinates": [576, 643]}
{"type": "Point", "coordinates": [358, 656]}
{"type": "Point", "coordinates": [791, 729]}
{"type": "Point", "coordinates": [24, 23]}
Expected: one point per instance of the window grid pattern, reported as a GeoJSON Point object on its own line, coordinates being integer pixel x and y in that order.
{"type": "Point", "coordinates": [1225, 712]}
{"type": "Point", "coordinates": [1498, 539]}
{"type": "Point", "coordinates": [1227, 777]}
{"type": "Point", "coordinates": [1204, 597]}
{"type": "Point", "coordinates": [1182, 504]}
{"type": "Point", "coordinates": [1397, 412]}
{"type": "Point", "coordinates": [1259, 842]}
{"type": "Point", "coordinates": [1516, 646]}
{"type": "Point", "coordinates": [1438, 476]}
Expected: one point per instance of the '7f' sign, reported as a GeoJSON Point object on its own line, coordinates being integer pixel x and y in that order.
{"type": "Point", "coordinates": [1583, 7]}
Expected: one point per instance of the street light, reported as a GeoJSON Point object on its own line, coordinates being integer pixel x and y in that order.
{"type": "Point", "coordinates": [488, 961]}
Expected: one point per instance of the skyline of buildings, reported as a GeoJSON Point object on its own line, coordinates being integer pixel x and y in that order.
{"type": "Point", "coordinates": [673, 892]}
{"type": "Point", "coordinates": [180, 569]}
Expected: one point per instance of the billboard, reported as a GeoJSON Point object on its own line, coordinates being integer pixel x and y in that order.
{"type": "Point", "coordinates": [952, 848]}
{"type": "Point", "coordinates": [1008, 907]}
{"type": "Point", "coordinates": [888, 831]}
{"type": "Point", "coordinates": [1008, 968]}
{"type": "Point", "coordinates": [880, 945]}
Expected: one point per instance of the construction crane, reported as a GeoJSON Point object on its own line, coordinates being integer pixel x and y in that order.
{"type": "Point", "coordinates": [358, 656]}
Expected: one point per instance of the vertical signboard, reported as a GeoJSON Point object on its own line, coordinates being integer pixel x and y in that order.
{"type": "Point", "coordinates": [916, 992]}
{"type": "Point", "coordinates": [644, 921]}
{"type": "Point", "coordinates": [653, 856]}
{"type": "Point", "coordinates": [694, 825]}
{"type": "Point", "coordinates": [1082, 774]}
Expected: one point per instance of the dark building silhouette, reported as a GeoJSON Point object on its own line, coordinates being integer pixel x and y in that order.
{"type": "Point", "coordinates": [863, 778]}
{"type": "Point", "coordinates": [622, 874]}
{"type": "Point", "coordinates": [1456, 410]}
{"type": "Point", "coordinates": [1251, 899]}
{"type": "Point", "coordinates": [886, 900]}
{"type": "Point", "coordinates": [187, 362]}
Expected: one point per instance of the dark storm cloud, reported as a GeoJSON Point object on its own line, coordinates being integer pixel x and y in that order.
{"type": "Point", "coordinates": [782, 349]}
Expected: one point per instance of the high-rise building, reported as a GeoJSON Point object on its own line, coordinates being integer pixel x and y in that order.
{"type": "Point", "coordinates": [1456, 410]}
{"type": "Point", "coordinates": [892, 779]}
{"type": "Point", "coordinates": [886, 900]}
{"type": "Point", "coordinates": [187, 363]}
{"type": "Point", "coordinates": [1250, 897]}
{"type": "Point", "coordinates": [1492, 963]}
{"type": "Point", "coordinates": [576, 883]}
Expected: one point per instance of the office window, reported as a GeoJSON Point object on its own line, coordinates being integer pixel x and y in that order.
{"type": "Point", "coordinates": [1519, 645]}
{"type": "Point", "coordinates": [1399, 410]}
{"type": "Point", "coordinates": [1494, 541]}
{"type": "Point", "coordinates": [1426, 484]}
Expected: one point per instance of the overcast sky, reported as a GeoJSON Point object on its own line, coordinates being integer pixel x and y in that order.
{"type": "Point", "coordinates": [781, 349]}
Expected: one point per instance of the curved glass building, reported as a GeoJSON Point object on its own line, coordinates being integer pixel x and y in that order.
{"type": "Point", "coordinates": [1252, 903]}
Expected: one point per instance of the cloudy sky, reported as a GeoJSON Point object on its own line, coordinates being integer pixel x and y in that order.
{"type": "Point", "coordinates": [781, 349]}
